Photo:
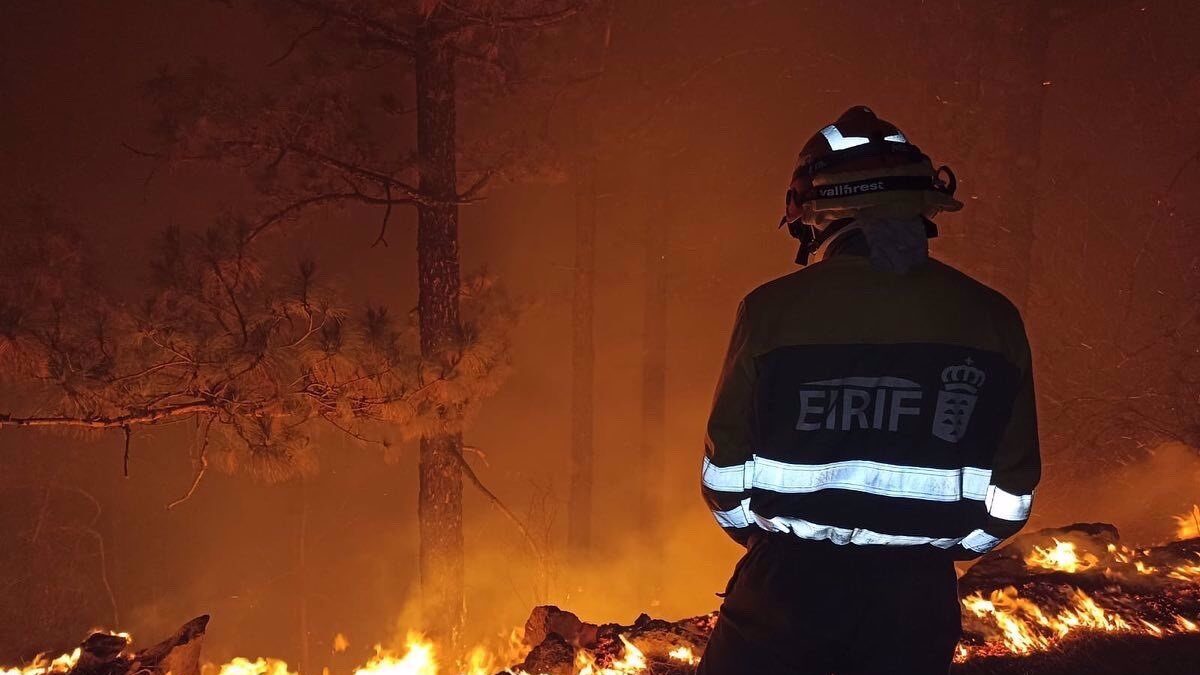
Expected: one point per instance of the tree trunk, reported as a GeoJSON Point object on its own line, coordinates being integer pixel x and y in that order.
{"type": "Point", "coordinates": [583, 357]}
{"type": "Point", "coordinates": [654, 394]}
{"type": "Point", "coordinates": [439, 507]}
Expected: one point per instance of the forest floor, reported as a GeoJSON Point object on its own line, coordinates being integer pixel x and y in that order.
{"type": "Point", "coordinates": [1099, 655]}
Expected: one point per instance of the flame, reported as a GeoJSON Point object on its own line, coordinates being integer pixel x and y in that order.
{"type": "Point", "coordinates": [42, 666]}
{"type": "Point", "coordinates": [340, 643]}
{"type": "Point", "coordinates": [1187, 525]}
{"type": "Point", "coordinates": [418, 659]}
{"type": "Point", "coordinates": [684, 654]}
{"type": "Point", "coordinates": [260, 666]}
{"type": "Point", "coordinates": [633, 661]}
{"type": "Point", "coordinates": [1026, 627]}
{"type": "Point", "coordinates": [1185, 572]}
{"type": "Point", "coordinates": [1013, 621]}
{"type": "Point", "coordinates": [1062, 557]}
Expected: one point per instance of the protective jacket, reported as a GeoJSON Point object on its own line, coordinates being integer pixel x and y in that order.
{"type": "Point", "coordinates": [868, 408]}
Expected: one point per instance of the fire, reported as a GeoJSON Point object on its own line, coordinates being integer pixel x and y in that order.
{"type": "Point", "coordinates": [340, 643]}
{"type": "Point", "coordinates": [684, 654]}
{"type": "Point", "coordinates": [1188, 524]}
{"type": "Point", "coordinates": [418, 659]}
{"type": "Point", "coordinates": [633, 661]}
{"type": "Point", "coordinates": [1148, 592]}
{"type": "Point", "coordinates": [1062, 557]}
{"type": "Point", "coordinates": [260, 666]}
{"type": "Point", "coordinates": [1026, 627]}
{"type": "Point", "coordinates": [60, 664]}
{"type": "Point", "coordinates": [1021, 624]}
{"type": "Point", "coordinates": [42, 666]}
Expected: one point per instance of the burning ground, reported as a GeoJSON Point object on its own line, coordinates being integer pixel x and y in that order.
{"type": "Point", "coordinates": [1066, 600]}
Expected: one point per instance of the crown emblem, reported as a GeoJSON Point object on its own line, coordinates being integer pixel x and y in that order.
{"type": "Point", "coordinates": [966, 378]}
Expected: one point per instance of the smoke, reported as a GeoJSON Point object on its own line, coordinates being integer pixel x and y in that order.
{"type": "Point", "coordinates": [1140, 499]}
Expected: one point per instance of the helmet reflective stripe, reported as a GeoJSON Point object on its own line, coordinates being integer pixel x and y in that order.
{"type": "Point", "coordinates": [838, 142]}
{"type": "Point", "coordinates": [896, 138]}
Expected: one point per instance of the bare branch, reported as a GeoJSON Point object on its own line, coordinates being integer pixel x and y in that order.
{"type": "Point", "coordinates": [1192, 158]}
{"type": "Point", "coordinates": [472, 192]}
{"type": "Point", "coordinates": [499, 505]}
{"type": "Point", "coordinates": [148, 417]}
{"type": "Point", "coordinates": [299, 38]}
{"type": "Point", "coordinates": [519, 21]}
{"type": "Point", "coordinates": [387, 214]}
{"type": "Point", "coordinates": [296, 207]}
{"type": "Point", "coordinates": [201, 467]}
{"type": "Point", "coordinates": [380, 32]}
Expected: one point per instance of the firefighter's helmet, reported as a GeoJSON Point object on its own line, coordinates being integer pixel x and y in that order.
{"type": "Point", "coordinates": [861, 164]}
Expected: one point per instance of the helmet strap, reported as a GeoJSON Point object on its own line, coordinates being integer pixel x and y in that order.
{"type": "Point", "coordinates": [825, 238]}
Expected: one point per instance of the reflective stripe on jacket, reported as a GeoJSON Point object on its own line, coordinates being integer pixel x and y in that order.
{"type": "Point", "coordinates": [867, 408]}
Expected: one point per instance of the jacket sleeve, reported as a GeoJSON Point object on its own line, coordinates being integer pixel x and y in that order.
{"type": "Point", "coordinates": [727, 470]}
{"type": "Point", "coordinates": [1016, 468]}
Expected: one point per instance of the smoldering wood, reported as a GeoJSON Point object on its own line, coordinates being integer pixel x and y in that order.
{"type": "Point", "coordinates": [179, 654]}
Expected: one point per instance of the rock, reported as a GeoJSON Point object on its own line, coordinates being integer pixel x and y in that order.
{"type": "Point", "coordinates": [548, 619]}
{"type": "Point", "coordinates": [552, 656]}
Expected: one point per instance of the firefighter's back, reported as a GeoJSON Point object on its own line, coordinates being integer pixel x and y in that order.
{"type": "Point", "coordinates": [874, 421]}
{"type": "Point", "coordinates": [880, 402]}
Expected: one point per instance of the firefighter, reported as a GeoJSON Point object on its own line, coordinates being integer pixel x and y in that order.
{"type": "Point", "coordinates": [873, 423]}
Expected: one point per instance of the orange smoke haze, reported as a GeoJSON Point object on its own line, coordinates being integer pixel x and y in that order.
{"type": "Point", "coordinates": [318, 573]}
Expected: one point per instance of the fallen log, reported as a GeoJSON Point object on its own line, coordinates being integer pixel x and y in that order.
{"type": "Point", "coordinates": [178, 654]}
{"type": "Point", "coordinates": [106, 653]}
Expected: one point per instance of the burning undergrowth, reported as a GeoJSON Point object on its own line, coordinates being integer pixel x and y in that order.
{"type": "Point", "coordinates": [1053, 585]}
{"type": "Point", "coordinates": [1055, 593]}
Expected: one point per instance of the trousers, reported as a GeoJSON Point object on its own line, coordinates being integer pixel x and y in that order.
{"type": "Point", "coordinates": [799, 607]}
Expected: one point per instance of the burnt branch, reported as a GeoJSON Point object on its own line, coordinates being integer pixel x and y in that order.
{"type": "Point", "coordinates": [514, 21]}
{"type": "Point", "coordinates": [201, 466]}
{"type": "Point", "coordinates": [387, 214]}
{"type": "Point", "coordinates": [297, 40]}
{"type": "Point", "coordinates": [380, 33]}
{"type": "Point", "coordinates": [499, 505]}
{"type": "Point", "coordinates": [120, 421]}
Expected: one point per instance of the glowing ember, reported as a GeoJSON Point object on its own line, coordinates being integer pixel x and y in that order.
{"type": "Point", "coordinates": [685, 655]}
{"type": "Point", "coordinates": [1062, 557]}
